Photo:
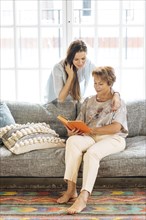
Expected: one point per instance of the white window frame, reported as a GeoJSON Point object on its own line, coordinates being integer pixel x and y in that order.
{"type": "Point", "coordinates": [67, 38]}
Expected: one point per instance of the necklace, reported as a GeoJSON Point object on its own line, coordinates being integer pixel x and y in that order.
{"type": "Point", "coordinates": [109, 96]}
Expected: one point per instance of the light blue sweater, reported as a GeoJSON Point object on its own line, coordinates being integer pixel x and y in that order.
{"type": "Point", "coordinates": [57, 80]}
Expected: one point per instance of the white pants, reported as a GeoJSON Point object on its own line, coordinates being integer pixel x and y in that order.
{"type": "Point", "coordinates": [91, 151]}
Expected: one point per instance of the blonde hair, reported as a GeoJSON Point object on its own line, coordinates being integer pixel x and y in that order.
{"type": "Point", "coordinates": [107, 73]}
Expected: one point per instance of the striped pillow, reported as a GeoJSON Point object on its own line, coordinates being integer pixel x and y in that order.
{"type": "Point", "coordinates": [22, 138]}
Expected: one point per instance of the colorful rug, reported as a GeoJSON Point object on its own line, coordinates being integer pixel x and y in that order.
{"type": "Point", "coordinates": [104, 204]}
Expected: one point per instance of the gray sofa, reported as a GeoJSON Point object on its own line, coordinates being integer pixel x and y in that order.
{"type": "Point", "coordinates": [50, 162]}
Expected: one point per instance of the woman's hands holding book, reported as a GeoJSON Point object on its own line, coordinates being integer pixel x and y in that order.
{"type": "Point", "coordinates": [73, 132]}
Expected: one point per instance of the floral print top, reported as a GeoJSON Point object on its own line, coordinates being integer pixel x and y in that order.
{"type": "Point", "coordinates": [98, 114]}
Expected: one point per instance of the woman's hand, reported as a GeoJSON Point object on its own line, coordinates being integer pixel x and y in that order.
{"type": "Point", "coordinates": [73, 132]}
{"type": "Point", "coordinates": [116, 101]}
{"type": "Point", "coordinates": [93, 131]}
{"type": "Point", "coordinates": [65, 91]}
{"type": "Point", "coordinates": [69, 70]}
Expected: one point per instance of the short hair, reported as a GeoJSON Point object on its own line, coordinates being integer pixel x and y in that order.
{"type": "Point", "coordinates": [107, 73]}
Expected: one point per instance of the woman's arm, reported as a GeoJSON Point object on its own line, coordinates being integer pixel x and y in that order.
{"type": "Point", "coordinates": [66, 89]}
{"type": "Point", "coordinates": [61, 85]}
{"type": "Point", "coordinates": [116, 101]}
{"type": "Point", "coordinates": [113, 128]}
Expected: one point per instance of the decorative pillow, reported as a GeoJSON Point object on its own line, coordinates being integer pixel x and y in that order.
{"type": "Point", "coordinates": [22, 138]}
{"type": "Point", "coordinates": [6, 117]}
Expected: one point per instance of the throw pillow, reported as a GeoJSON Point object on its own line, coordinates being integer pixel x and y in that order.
{"type": "Point", "coordinates": [6, 117]}
{"type": "Point", "coordinates": [22, 138]}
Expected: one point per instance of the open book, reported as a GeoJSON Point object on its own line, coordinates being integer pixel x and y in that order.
{"type": "Point", "coordinates": [80, 125]}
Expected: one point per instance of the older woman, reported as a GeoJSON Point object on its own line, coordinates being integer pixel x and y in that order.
{"type": "Point", "coordinates": [107, 136]}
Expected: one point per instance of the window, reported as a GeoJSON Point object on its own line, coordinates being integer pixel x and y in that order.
{"type": "Point", "coordinates": [86, 7]}
{"type": "Point", "coordinates": [35, 34]}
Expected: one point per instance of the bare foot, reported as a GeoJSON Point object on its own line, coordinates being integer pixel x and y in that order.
{"type": "Point", "coordinates": [78, 205]}
{"type": "Point", "coordinates": [66, 197]}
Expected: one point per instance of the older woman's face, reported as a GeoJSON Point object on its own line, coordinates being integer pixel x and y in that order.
{"type": "Point", "coordinates": [79, 59]}
{"type": "Point", "coordinates": [100, 85]}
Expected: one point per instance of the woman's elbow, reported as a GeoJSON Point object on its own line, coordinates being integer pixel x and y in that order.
{"type": "Point", "coordinates": [117, 127]}
{"type": "Point", "coordinates": [61, 99]}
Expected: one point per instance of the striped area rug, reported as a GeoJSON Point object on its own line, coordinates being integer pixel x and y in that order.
{"type": "Point", "coordinates": [104, 204]}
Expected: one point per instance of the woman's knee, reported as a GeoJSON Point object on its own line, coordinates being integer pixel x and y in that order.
{"type": "Point", "coordinates": [92, 155]}
{"type": "Point", "coordinates": [72, 144]}
{"type": "Point", "coordinates": [72, 140]}
{"type": "Point", "coordinates": [82, 143]}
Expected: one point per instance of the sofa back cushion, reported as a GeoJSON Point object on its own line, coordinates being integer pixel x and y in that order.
{"type": "Point", "coordinates": [136, 113]}
{"type": "Point", "coordinates": [24, 112]}
{"type": "Point", "coordinates": [27, 112]}
{"type": "Point", "coordinates": [66, 109]}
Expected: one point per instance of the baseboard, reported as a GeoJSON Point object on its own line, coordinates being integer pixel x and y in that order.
{"type": "Point", "coordinates": [37, 182]}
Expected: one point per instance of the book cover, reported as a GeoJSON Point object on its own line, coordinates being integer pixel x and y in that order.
{"type": "Point", "coordinates": [77, 124]}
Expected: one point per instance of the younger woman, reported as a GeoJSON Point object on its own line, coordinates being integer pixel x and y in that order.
{"type": "Point", "coordinates": [70, 77]}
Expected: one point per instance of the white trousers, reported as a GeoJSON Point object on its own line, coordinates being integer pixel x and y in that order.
{"type": "Point", "coordinates": [91, 151]}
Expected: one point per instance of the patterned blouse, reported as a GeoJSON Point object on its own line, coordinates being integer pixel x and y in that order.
{"type": "Point", "coordinates": [98, 114]}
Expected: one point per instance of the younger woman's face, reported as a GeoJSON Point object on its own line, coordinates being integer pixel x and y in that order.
{"type": "Point", "coordinates": [79, 59]}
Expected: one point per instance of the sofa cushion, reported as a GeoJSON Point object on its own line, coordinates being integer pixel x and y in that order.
{"type": "Point", "coordinates": [136, 113]}
{"type": "Point", "coordinates": [43, 163]}
{"type": "Point", "coordinates": [130, 162]}
{"type": "Point", "coordinates": [22, 138]}
{"type": "Point", "coordinates": [51, 162]}
{"type": "Point", "coordinates": [24, 112]}
{"type": "Point", "coordinates": [67, 109]}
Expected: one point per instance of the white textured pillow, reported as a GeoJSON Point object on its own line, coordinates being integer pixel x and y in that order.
{"type": "Point", "coordinates": [22, 138]}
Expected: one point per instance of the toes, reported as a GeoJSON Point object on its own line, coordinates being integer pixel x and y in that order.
{"type": "Point", "coordinates": [58, 201]}
{"type": "Point", "coordinates": [71, 211]}
{"type": "Point", "coordinates": [61, 200]}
